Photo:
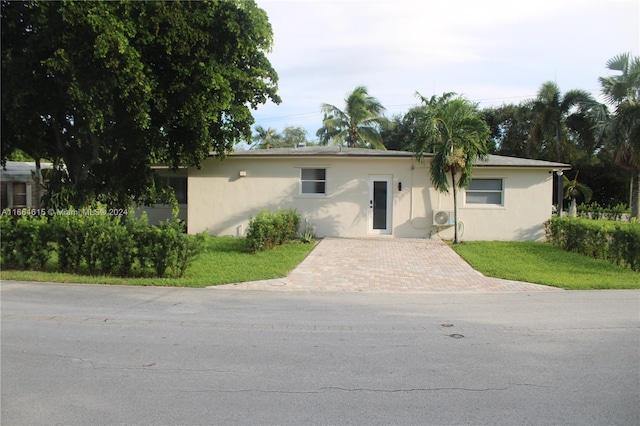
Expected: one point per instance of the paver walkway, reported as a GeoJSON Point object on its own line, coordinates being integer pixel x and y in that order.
{"type": "Point", "coordinates": [385, 265]}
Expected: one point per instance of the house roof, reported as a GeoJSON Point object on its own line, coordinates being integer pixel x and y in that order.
{"type": "Point", "coordinates": [337, 151]}
{"type": "Point", "coordinates": [21, 168]}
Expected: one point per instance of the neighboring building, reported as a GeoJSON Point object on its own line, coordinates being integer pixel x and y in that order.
{"type": "Point", "coordinates": [352, 192]}
{"type": "Point", "coordinates": [17, 187]}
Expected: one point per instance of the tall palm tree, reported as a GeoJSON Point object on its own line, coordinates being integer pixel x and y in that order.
{"type": "Point", "coordinates": [358, 124]}
{"type": "Point", "coordinates": [454, 130]}
{"type": "Point", "coordinates": [554, 115]}
{"type": "Point", "coordinates": [623, 126]}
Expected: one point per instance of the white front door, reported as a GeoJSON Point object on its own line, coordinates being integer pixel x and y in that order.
{"type": "Point", "coordinates": [380, 204]}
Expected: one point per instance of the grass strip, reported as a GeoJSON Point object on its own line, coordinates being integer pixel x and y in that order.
{"type": "Point", "coordinates": [224, 260]}
{"type": "Point", "coordinates": [543, 263]}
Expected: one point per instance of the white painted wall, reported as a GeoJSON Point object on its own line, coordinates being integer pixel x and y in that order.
{"type": "Point", "coordinates": [222, 202]}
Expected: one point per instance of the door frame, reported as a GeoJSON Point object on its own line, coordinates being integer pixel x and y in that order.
{"type": "Point", "coordinates": [389, 181]}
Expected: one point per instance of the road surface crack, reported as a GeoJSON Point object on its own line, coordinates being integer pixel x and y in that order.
{"type": "Point", "coordinates": [375, 390]}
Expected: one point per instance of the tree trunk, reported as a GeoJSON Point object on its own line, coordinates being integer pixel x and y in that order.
{"type": "Point", "coordinates": [573, 209]}
{"type": "Point", "coordinates": [456, 239]}
{"type": "Point", "coordinates": [635, 194]}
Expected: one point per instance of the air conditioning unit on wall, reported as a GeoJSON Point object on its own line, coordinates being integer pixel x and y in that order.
{"type": "Point", "coordinates": [443, 218]}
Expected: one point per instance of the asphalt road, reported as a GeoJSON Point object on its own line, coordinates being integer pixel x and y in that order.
{"type": "Point", "coordinates": [103, 355]}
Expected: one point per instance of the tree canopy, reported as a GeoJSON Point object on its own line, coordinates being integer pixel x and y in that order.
{"type": "Point", "coordinates": [106, 89]}
{"type": "Point", "coordinates": [358, 125]}
{"type": "Point", "coordinates": [455, 132]}
{"type": "Point", "coordinates": [622, 128]}
{"type": "Point", "coordinates": [291, 137]}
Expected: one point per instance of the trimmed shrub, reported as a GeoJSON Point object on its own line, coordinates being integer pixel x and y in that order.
{"type": "Point", "coordinates": [615, 242]}
{"type": "Point", "coordinates": [596, 211]}
{"type": "Point", "coordinates": [269, 229]}
{"type": "Point", "coordinates": [25, 242]}
{"type": "Point", "coordinates": [625, 245]}
{"type": "Point", "coordinates": [104, 244]}
{"type": "Point", "coordinates": [69, 234]}
{"type": "Point", "coordinates": [167, 247]}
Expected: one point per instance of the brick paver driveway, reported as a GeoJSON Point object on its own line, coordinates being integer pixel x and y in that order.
{"type": "Point", "coordinates": [385, 265]}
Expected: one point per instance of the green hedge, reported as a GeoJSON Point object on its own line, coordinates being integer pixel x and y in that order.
{"type": "Point", "coordinates": [596, 211]}
{"type": "Point", "coordinates": [26, 242]}
{"type": "Point", "coordinates": [616, 242]}
{"type": "Point", "coordinates": [269, 229]}
{"type": "Point", "coordinates": [104, 244]}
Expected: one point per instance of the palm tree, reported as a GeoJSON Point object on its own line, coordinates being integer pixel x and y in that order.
{"type": "Point", "coordinates": [454, 130]}
{"type": "Point", "coordinates": [623, 126]}
{"type": "Point", "coordinates": [358, 124]}
{"type": "Point", "coordinates": [554, 115]}
{"type": "Point", "coordinates": [266, 138]}
{"type": "Point", "coordinates": [573, 189]}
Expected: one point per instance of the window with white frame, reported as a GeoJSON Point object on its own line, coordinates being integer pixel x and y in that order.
{"type": "Point", "coordinates": [313, 181]}
{"type": "Point", "coordinates": [485, 191]}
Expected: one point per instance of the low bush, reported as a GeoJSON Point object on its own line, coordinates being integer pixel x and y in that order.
{"type": "Point", "coordinates": [167, 247]}
{"type": "Point", "coordinates": [104, 244]}
{"type": "Point", "coordinates": [25, 242]}
{"type": "Point", "coordinates": [596, 211]}
{"type": "Point", "coordinates": [625, 245]}
{"type": "Point", "coordinates": [68, 232]}
{"type": "Point", "coordinates": [615, 242]}
{"type": "Point", "coordinates": [269, 229]}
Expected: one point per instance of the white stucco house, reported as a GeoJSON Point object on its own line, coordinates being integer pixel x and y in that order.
{"type": "Point", "coordinates": [351, 192]}
{"type": "Point", "coordinates": [18, 188]}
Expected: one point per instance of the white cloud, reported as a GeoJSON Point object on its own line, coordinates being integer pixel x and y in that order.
{"type": "Point", "coordinates": [494, 51]}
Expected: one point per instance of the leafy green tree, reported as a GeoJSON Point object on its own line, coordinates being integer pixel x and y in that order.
{"type": "Point", "coordinates": [509, 125]}
{"type": "Point", "coordinates": [455, 132]}
{"type": "Point", "coordinates": [622, 128]}
{"type": "Point", "coordinates": [401, 131]}
{"type": "Point", "coordinates": [358, 125]}
{"type": "Point", "coordinates": [291, 137]}
{"type": "Point", "coordinates": [294, 136]}
{"type": "Point", "coordinates": [109, 88]}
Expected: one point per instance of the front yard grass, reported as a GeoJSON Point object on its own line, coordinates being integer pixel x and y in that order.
{"type": "Point", "coordinates": [228, 260]}
{"type": "Point", "coordinates": [543, 263]}
{"type": "Point", "coordinates": [224, 260]}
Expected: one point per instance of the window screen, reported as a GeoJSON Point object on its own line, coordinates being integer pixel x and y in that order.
{"type": "Point", "coordinates": [313, 181]}
{"type": "Point", "coordinates": [485, 191]}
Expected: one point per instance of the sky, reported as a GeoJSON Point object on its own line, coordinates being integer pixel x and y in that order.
{"type": "Point", "coordinates": [492, 52]}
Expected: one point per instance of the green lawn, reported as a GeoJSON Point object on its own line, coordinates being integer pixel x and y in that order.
{"type": "Point", "coordinates": [227, 260]}
{"type": "Point", "coordinates": [545, 264]}
{"type": "Point", "coordinates": [224, 260]}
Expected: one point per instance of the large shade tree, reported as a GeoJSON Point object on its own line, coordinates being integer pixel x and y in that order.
{"type": "Point", "coordinates": [454, 135]}
{"type": "Point", "coordinates": [106, 89]}
{"type": "Point", "coordinates": [510, 125]}
{"type": "Point", "coordinates": [622, 128]}
{"type": "Point", "coordinates": [358, 124]}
